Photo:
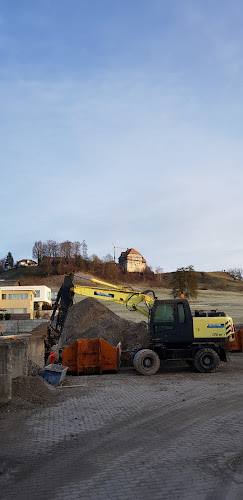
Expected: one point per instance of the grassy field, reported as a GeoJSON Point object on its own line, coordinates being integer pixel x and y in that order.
{"type": "Point", "coordinates": [217, 290]}
{"type": "Point", "coordinates": [229, 302]}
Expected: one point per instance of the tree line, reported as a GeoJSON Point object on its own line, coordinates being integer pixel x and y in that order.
{"type": "Point", "coordinates": [66, 249]}
{"type": "Point", "coordinates": [55, 258]}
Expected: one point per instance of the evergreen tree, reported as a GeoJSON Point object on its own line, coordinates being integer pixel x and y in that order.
{"type": "Point", "coordinates": [9, 262]}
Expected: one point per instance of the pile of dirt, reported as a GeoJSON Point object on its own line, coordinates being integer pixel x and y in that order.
{"type": "Point", "coordinates": [90, 318]}
{"type": "Point", "coordinates": [41, 328]}
{"type": "Point", "coordinates": [32, 390]}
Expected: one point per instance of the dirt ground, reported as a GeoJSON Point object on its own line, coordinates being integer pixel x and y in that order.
{"type": "Point", "coordinates": [175, 435]}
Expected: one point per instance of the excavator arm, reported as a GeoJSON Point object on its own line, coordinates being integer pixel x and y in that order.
{"type": "Point", "coordinates": [141, 302]}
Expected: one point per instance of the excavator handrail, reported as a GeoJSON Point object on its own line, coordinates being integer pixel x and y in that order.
{"type": "Point", "coordinates": [99, 282]}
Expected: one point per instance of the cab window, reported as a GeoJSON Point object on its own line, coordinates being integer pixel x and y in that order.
{"type": "Point", "coordinates": [164, 313]}
{"type": "Point", "coordinates": [181, 313]}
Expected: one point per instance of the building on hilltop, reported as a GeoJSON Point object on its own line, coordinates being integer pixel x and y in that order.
{"type": "Point", "coordinates": [132, 261]}
{"type": "Point", "coordinates": [26, 263]}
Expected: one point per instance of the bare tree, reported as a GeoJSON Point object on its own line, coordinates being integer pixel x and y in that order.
{"type": "Point", "coordinates": [108, 258]}
{"type": "Point", "coordinates": [236, 273]}
{"type": "Point", "coordinates": [76, 249]}
{"type": "Point", "coordinates": [159, 274]}
{"type": "Point", "coordinates": [38, 251]}
{"type": "Point", "coordinates": [52, 248]}
{"type": "Point", "coordinates": [84, 247]}
{"type": "Point", "coordinates": [66, 249]}
{"type": "Point", "coordinates": [96, 263]}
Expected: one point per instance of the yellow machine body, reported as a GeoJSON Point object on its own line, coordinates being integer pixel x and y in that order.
{"type": "Point", "coordinates": [212, 328]}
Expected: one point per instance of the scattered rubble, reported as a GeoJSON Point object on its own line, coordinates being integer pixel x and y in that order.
{"type": "Point", "coordinates": [34, 369]}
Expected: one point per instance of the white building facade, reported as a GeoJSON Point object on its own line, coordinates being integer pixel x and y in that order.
{"type": "Point", "coordinates": [42, 292]}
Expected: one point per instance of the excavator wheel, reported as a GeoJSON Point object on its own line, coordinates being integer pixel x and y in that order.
{"type": "Point", "coordinates": [206, 360]}
{"type": "Point", "coordinates": [146, 362]}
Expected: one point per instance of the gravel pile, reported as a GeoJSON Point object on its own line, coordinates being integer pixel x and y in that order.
{"type": "Point", "coordinates": [32, 390]}
{"type": "Point", "coordinates": [90, 318]}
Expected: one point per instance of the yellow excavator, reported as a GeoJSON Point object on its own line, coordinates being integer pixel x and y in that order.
{"type": "Point", "coordinates": [175, 334]}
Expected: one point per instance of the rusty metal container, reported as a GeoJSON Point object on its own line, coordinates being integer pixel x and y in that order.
{"type": "Point", "coordinates": [236, 344]}
{"type": "Point", "coordinates": [91, 356]}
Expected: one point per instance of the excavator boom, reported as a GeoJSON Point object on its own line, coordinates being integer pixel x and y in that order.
{"type": "Point", "coordinates": [141, 302]}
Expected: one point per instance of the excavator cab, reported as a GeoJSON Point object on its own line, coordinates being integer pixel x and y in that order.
{"type": "Point", "coordinates": [171, 322]}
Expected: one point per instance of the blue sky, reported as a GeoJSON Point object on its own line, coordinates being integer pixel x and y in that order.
{"type": "Point", "coordinates": [121, 121]}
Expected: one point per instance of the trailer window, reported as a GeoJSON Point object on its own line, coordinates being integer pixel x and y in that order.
{"type": "Point", "coordinates": [181, 313]}
{"type": "Point", "coordinates": [164, 313]}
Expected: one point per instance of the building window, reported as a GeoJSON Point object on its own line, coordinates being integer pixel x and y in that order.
{"type": "Point", "coordinates": [54, 295]}
{"type": "Point", "coordinates": [18, 296]}
{"type": "Point", "coordinates": [17, 310]}
{"type": "Point", "coordinates": [37, 293]}
{"type": "Point", "coordinates": [4, 296]}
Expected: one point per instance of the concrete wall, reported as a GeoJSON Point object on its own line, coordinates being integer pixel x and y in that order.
{"type": "Point", "coordinates": [19, 356]}
{"type": "Point", "coordinates": [16, 327]}
{"type": "Point", "coordinates": [35, 354]}
{"type": "Point", "coordinates": [5, 373]}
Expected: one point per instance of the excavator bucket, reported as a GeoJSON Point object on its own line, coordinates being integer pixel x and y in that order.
{"type": "Point", "coordinates": [91, 356]}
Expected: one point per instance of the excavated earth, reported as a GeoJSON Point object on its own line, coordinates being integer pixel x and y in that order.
{"type": "Point", "coordinates": [90, 318]}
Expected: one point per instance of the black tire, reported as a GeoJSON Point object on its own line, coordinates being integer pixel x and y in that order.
{"type": "Point", "coordinates": [206, 360]}
{"type": "Point", "coordinates": [133, 354]}
{"type": "Point", "coordinates": [146, 362]}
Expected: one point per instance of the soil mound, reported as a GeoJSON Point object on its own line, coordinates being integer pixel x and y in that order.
{"type": "Point", "coordinates": [33, 390]}
{"type": "Point", "coordinates": [42, 327]}
{"type": "Point", "coordinates": [92, 319]}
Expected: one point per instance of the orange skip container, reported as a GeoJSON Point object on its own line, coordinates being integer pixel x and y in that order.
{"type": "Point", "coordinates": [91, 356]}
{"type": "Point", "coordinates": [236, 344]}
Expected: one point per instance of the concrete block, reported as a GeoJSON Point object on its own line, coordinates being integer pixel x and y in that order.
{"type": "Point", "coordinates": [19, 357]}
{"type": "Point", "coordinates": [5, 372]}
{"type": "Point", "coordinates": [17, 327]}
{"type": "Point", "coordinates": [35, 354]}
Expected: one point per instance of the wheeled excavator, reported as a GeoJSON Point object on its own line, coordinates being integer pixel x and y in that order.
{"type": "Point", "coordinates": [175, 334]}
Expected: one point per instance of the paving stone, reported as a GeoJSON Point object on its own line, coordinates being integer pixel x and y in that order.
{"type": "Point", "coordinates": [126, 436]}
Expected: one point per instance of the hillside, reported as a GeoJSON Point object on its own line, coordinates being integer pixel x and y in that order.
{"type": "Point", "coordinates": [217, 280]}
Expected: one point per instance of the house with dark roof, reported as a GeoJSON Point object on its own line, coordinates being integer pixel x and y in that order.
{"type": "Point", "coordinates": [9, 283]}
{"type": "Point", "coordinates": [132, 261]}
{"type": "Point", "coordinates": [26, 263]}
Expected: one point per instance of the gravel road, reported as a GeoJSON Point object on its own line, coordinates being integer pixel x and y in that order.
{"type": "Point", "coordinates": [176, 435]}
